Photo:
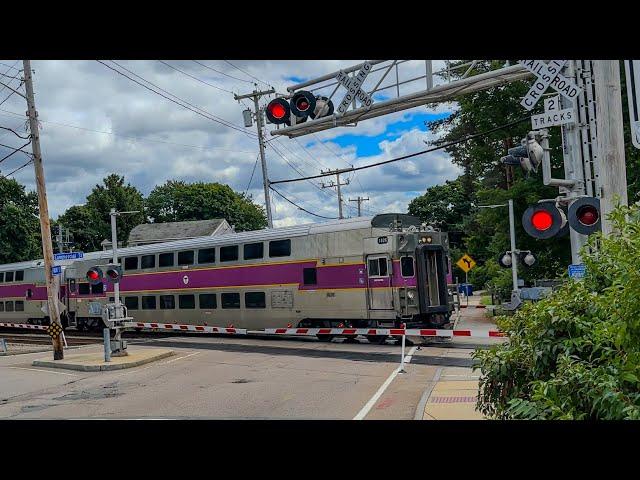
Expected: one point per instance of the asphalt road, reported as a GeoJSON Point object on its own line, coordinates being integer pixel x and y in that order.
{"type": "Point", "coordinates": [228, 378]}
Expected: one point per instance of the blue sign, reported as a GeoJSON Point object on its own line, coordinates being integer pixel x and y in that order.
{"type": "Point", "coordinates": [577, 270]}
{"type": "Point", "coordinates": [68, 256]}
{"type": "Point", "coordinates": [56, 270]}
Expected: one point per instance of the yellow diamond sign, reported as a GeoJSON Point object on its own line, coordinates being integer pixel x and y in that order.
{"type": "Point", "coordinates": [466, 263]}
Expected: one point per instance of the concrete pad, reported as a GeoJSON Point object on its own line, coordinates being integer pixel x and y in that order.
{"type": "Point", "coordinates": [453, 400]}
{"type": "Point", "coordinates": [94, 361]}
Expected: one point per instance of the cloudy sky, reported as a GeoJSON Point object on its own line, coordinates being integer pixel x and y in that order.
{"type": "Point", "coordinates": [95, 122]}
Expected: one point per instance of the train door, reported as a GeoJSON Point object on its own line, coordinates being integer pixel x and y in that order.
{"type": "Point", "coordinates": [379, 282]}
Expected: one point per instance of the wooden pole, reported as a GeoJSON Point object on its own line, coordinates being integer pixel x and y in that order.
{"type": "Point", "coordinates": [45, 229]}
{"type": "Point", "coordinates": [613, 173]}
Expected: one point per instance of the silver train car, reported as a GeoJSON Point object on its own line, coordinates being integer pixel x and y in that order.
{"type": "Point", "coordinates": [361, 272]}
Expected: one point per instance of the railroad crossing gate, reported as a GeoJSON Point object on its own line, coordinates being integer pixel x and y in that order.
{"type": "Point", "coordinates": [466, 263]}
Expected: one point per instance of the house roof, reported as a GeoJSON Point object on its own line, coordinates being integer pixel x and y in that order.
{"type": "Point", "coordinates": [156, 232]}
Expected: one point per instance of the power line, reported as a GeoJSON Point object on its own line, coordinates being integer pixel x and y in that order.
{"type": "Point", "coordinates": [11, 67]}
{"type": "Point", "coordinates": [215, 117]}
{"type": "Point", "coordinates": [18, 169]}
{"type": "Point", "coordinates": [194, 77]}
{"type": "Point", "coordinates": [301, 208]}
{"type": "Point", "coordinates": [449, 144]}
{"type": "Point", "coordinates": [206, 115]}
{"type": "Point", "coordinates": [15, 150]}
{"type": "Point", "coordinates": [251, 178]}
{"type": "Point", "coordinates": [129, 136]}
{"type": "Point", "coordinates": [247, 73]}
{"type": "Point", "coordinates": [14, 132]}
{"type": "Point", "coordinates": [222, 73]}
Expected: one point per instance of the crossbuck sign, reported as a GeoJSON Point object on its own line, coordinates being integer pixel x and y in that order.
{"type": "Point", "coordinates": [548, 75]}
{"type": "Point", "coordinates": [353, 85]}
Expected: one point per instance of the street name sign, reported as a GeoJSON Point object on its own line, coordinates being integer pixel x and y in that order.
{"type": "Point", "coordinates": [548, 75]}
{"type": "Point", "coordinates": [353, 87]}
{"type": "Point", "coordinates": [577, 270]}
{"type": "Point", "coordinates": [466, 263]}
{"type": "Point", "coordinates": [68, 256]}
{"type": "Point", "coordinates": [632, 71]}
{"type": "Point", "coordinates": [56, 270]}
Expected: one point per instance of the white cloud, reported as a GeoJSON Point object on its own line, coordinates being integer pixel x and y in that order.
{"type": "Point", "coordinates": [89, 95]}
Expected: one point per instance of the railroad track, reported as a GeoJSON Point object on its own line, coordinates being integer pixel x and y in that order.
{"type": "Point", "coordinates": [35, 339]}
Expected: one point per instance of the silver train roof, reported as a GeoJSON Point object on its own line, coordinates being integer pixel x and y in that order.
{"type": "Point", "coordinates": [224, 239]}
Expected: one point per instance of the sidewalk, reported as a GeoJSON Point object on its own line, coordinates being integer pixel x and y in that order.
{"type": "Point", "coordinates": [452, 394]}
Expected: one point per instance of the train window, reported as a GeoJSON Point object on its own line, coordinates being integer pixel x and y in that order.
{"type": "Point", "coordinates": [187, 301]}
{"type": "Point", "coordinates": [167, 302]}
{"type": "Point", "coordinates": [406, 266]}
{"type": "Point", "coordinates": [208, 300]}
{"type": "Point", "coordinates": [130, 263]}
{"type": "Point", "coordinates": [148, 261]}
{"type": "Point", "coordinates": [112, 299]}
{"type": "Point", "coordinates": [228, 254]}
{"type": "Point", "coordinates": [280, 248]}
{"type": "Point", "coordinates": [148, 302]}
{"type": "Point", "coordinates": [1, 306]}
{"type": "Point", "coordinates": [255, 300]}
{"type": "Point", "coordinates": [131, 303]}
{"type": "Point", "coordinates": [207, 255]}
{"type": "Point", "coordinates": [166, 260]}
{"type": "Point", "coordinates": [8, 277]}
{"type": "Point", "coordinates": [185, 258]}
{"type": "Point", "coordinates": [97, 289]}
{"type": "Point", "coordinates": [378, 267]}
{"type": "Point", "coordinates": [84, 289]}
{"type": "Point", "coordinates": [72, 285]}
{"type": "Point", "coordinates": [310, 276]}
{"type": "Point", "coordinates": [19, 275]}
{"type": "Point", "coordinates": [9, 306]}
{"type": "Point", "coordinates": [253, 250]}
{"type": "Point", "coordinates": [1, 277]}
{"type": "Point", "coordinates": [29, 293]}
{"type": "Point", "coordinates": [19, 306]}
{"type": "Point", "coordinates": [230, 300]}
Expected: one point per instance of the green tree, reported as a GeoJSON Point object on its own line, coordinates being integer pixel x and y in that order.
{"type": "Point", "coordinates": [575, 355]}
{"type": "Point", "coordinates": [177, 201]}
{"type": "Point", "coordinates": [90, 223]}
{"type": "Point", "coordinates": [19, 225]}
{"type": "Point", "coordinates": [484, 181]}
{"type": "Point", "coordinates": [442, 206]}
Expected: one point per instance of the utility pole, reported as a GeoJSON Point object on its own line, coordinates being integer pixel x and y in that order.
{"type": "Point", "coordinates": [512, 236]}
{"type": "Point", "coordinates": [265, 178]}
{"type": "Point", "coordinates": [359, 200]}
{"type": "Point", "coordinates": [43, 208]}
{"type": "Point", "coordinates": [613, 173]}
{"type": "Point", "coordinates": [337, 173]}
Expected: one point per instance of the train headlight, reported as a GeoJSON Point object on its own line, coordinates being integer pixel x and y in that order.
{"type": "Point", "coordinates": [426, 240]}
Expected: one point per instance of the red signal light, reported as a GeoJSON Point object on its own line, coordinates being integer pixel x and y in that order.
{"type": "Point", "coordinates": [94, 276]}
{"type": "Point", "coordinates": [584, 215]}
{"type": "Point", "coordinates": [588, 215]}
{"type": "Point", "coordinates": [541, 220]}
{"type": "Point", "coordinates": [277, 110]}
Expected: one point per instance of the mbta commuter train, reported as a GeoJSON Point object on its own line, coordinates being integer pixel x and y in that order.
{"type": "Point", "coordinates": [361, 272]}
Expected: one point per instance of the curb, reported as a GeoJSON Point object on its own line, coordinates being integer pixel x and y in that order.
{"type": "Point", "coordinates": [100, 368]}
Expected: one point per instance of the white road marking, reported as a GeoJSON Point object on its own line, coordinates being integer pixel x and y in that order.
{"type": "Point", "coordinates": [180, 358]}
{"type": "Point", "coordinates": [372, 401]}
{"type": "Point", "coordinates": [46, 371]}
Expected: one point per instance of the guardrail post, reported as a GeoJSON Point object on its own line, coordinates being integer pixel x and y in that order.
{"type": "Point", "coordinates": [106, 334]}
{"type": "Point", "coordinates": [404, 330]}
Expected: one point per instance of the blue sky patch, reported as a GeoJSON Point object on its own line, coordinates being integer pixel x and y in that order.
{"type": "Point", "coordinates": [368, 145]}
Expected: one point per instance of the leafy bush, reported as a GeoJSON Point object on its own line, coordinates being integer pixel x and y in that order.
{"type": "Point", "coordinates": [575, 354]}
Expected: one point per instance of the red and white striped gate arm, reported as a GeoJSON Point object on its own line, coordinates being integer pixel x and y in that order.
{"type": "Point", "coordinates": [188, 328]}
{"type": "Point", "coordinates": [384, 331]}
{"type": "Point", "coordinates": [23, 325]}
